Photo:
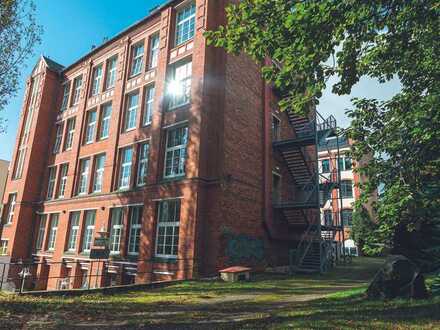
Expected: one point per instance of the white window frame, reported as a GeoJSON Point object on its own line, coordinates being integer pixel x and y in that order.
{"type": "Point", "coordinates": [66, 94]}
{"type": "Point", "coordinates": [185, 28]}
{"type": "Point", "coordinates": [181, 148]}
{"type": "Point", "coordinates": [90, 127]}
{"type": "Point", "coordinates": [154, 51]}
{"type": "Point", "coordinates": [39, 243]}
{"type": "Point", "coordinates": [116, 228]}
{"type": "Point", "coordinates": [51, 182]}
{"type": "Point", "coordinates": [166, 225]}
{"type": "Point", "coordinates": [131, 112]}
{"type": "Point", "coordinates": [112, 66]}
{"type": "Point", "coordinates": [148, 105]}
{"type": "Point", "coordinates": [125, 169]}
{"type": "Point", "coordinates": [4, 247]}
{"type": "Point", "coordinates": [20, 162]}
{"type": "Point", "coordinates": [89, 229]}
{"type": "Point", "coordinates": [58, 138]}
{"type": "Point", "coordinates": [344, 211]}
{"type": "Point", "coordinates": [179, 88]}
{"type": "Point", "coordinates": [77, 85]}
{"type": "Point", "coordinates": [137, 58]}
{"type": "Point", "coordinates": [106, 115]}
{"type": "Point", "coordinates": [134, 230]}
{"type": "Point", "coordinates": [63, 179]}
{"type": "Point", "coordinates": [83, 176]}
{"type": "Point", "coordinates": [96, 80]}
{"type": "Point", "coordinates": [345, 183]}
{"type": "Point", "coordinates": [98, 176]}
{"type": "Point", "coordinates": [70, 133]}
{"type": "Point", "coordinates": [53, 230]}
{"type": "Point", "coordinates": [142, 170]}
{"type": "Point", "coordinates": [72, 239]}
{"type": "Point", "coordinates": [12, 201]}
{"type": "Point", "coordinates": [276, 129]}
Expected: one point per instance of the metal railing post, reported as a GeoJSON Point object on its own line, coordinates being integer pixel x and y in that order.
{"type": "Point", "coordinates": [3, 276]}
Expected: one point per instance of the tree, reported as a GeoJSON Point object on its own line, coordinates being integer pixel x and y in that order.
{"type": "Point", "coordinates": [19, 33]}
{"type": "Point", "coordinates": [311, 41]}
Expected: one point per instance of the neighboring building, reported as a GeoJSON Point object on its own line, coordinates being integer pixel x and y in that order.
{"type": "Point", "coordinates": [335, 206]}
{"type": "Point", "coordinates": [159, 142]}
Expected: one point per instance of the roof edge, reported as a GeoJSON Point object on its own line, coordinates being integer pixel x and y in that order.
{"type": "Point", "coordinates": [152, 13]}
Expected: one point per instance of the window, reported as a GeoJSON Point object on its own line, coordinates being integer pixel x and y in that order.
{"type": "Point", "coordinates": [58, 138]}
{"type": "Point", "coordinates": [96, 80]}
{"type": "Point", "coordinates": [51, 183]}
{"type": "Point", "coordinates": [346, 189]}
{"type": "Point", "coordinates": [20, 162]}
{"type": "Point", "coordinates": [66, 93]}
{"type": "Point", "coordinates": [111, 72]}
{"type": "Point", "coordinates": [91, 126]}
{"type": "Point", "coordinates": [345, 163]}
{"type": "Point", "coordinates": [148, 108]}
{"type": "Point", "coordinates": [135, 225]}
{"type": "Point", "coordinates": [63, 180]}
{"type": "Point", "coordinates": [276, 188]}
{"type": "Point", "coordinates": [137, 59]}
{"type": "Point", "coordinates": [77, 84]}
{"type": "Point", "coordinates": [116, 230]}
{"type": "Point", "coordinates": [328, 218]}
{"type": "Point", "coordinates": [325, 165]}
{"type": "Point", "coordinates": [347, 218]}
{"type": "Point", "coordinates": [99, 173]}
{"type": "Point", "coordinates": [73, 230]}
{"type": "Point", "coordinates": [131, 113]}
{"type": "Point", "coordinates": [41, 232]}
{"type": "Point", "coordinates": [83, 176]}
{"type": "Point", "coordinates": [12, 200]}
{"type": "Point", "coordinates": [106, 113]}
{"type": "Point", "coordinates": [89, 228]}
{"type": "Point", "coordinates": [175, 153]}
{"type": "Point", "coordinates": [125, 168]}
{"type": "Point", "coordinates": [185, 24]}
{"type": "Point", "coordinates": [154, 51]}
{"type": "Point", "coordinates": [3, 247]}
{"type": "Point", "coordinates": [52, 232]}
{"type": "Point", "coordinates": [144, 150]}
{"type": "Point", "coordinates": [180, 86]}
{"type": "Point", "coordinates": [68, 142]}
{"type": "Point", "coordinates": [276, 123]}
{"type": "Point", "coordinates": [167, 239]}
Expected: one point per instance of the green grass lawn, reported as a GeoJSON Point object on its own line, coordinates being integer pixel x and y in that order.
{"type": "Point", "coordinates": [331, 301]}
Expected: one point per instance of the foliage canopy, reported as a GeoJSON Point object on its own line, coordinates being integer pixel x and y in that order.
{"type": "Point", "coordinates": [19, 33]}
{"type": "Point", "coordinates": [311, 41]}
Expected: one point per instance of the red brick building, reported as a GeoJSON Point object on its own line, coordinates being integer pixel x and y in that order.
{"type": "Point", "coordinates": [157, 141]}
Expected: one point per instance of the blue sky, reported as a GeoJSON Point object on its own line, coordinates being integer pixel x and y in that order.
{"type": "Point", "coordinates": [72, 27]}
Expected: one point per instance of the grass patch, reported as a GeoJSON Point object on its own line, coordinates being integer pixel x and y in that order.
{"type": "Point", "coordinates": [333, 300]}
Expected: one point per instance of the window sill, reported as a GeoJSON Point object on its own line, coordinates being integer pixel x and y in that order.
{"type": "Point", "coordinates": [129, 129]}
{"type": "Point", "coordinates": [134, 75]}
{"type": "Point", "coordinates": [180, 107]}
{"type": "Point", "coordinates": [173, 178]}
{"type": "Point", "coordinates": [168, 260]}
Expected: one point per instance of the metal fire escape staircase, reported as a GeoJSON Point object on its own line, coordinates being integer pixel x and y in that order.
{"type": "Point", "coordinates": [302, 211]}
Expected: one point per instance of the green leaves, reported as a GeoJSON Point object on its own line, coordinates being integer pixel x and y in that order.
{"type": "Point", "coordinates": [379, 39]}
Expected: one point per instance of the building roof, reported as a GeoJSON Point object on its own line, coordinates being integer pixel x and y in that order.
{"type": "Point", "coordinates": [153, 12]}
{"type": "Point", "coordinates": [51, 64]}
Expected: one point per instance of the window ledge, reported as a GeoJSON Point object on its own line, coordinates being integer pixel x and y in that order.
{"type": "Point", "coordinates": [172, 179]}
{"type": "Point", "coordinates": [168, 260]}
{"type": "Point", "coordinates": [181, 107]}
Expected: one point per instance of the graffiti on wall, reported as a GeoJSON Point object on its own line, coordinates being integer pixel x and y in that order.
{"type": "Point", "coordinates": [243, 249]}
